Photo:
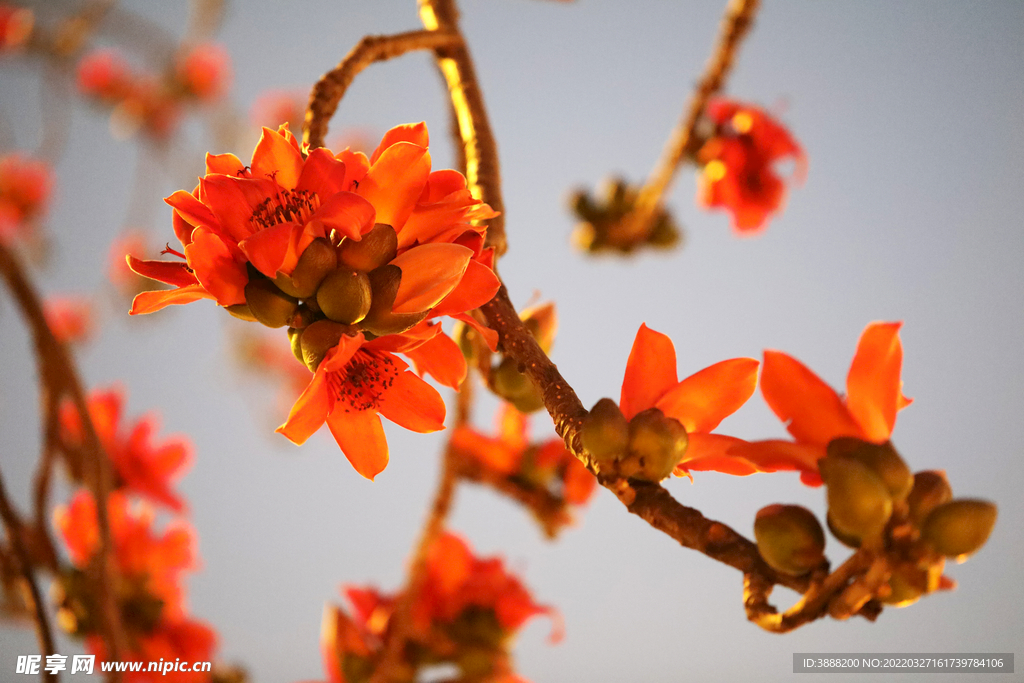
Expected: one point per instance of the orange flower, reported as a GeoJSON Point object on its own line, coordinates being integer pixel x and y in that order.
{"type": "Point", "coordinates": [143, 468]}
{"type": "Point", "coordinates": [184, 639]}
{"type": "Point", "coordinates": [355, 381]}
{"type": "Point", "coordinates": [15, 26]}
{"type": "Point", "coordinates": [25, 185]}
{"type": "Point", "coordinates": [699, 402]}
{"type": "Point", "coordinates": [105, 76]}
{"type": "Point", "coordinates": [815, 414]}
{"type": "Point", "coordinates": [737, 162]}
{"type": "Point", "coordinates": [204, 71]}
{"type": "Point", "coordinates": [69, 318]}
{"type": "Point", "coordinates": [266, 214]}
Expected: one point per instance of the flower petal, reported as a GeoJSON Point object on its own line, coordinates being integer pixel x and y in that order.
{"type": "Point", "coordinates": [712, 453]}
{"type": "Point", "coordinates": [774, 455]}
{"type": "Point", "coordinates": [395, 181]}
{"type": "Point", "coordinates": [276, 248]}
{"type": "Point", "coordinates": [478, 285]}
{"type": "Point", "coordinates": [361, 438]}
{"type": "Point", "coordinates": [309, 411]}
{"type": "Point", "coordinates": [322, 174]}
{"type": "Point", "coordinates": [169, 272]}
{"type": "Point", "coordinates": [416, 133]}
{"type": "Point", "coordinates": [873, 386]}
{"type": "Point", "coordinates": [490, 337]}
{"type": "Point", "coordinates": [650, 371]}
{"type": "Point", "coordinates": [226, 164]}
{"type": "Point", "coordinates": [702, 400]}
{"type": "Point", "coordinates": [812, 411]}
{"type": "Point", "coordinates": [413, 404]}
{"type": "Point", "coordinates": [216, 266]}
{"type": "Point", "coordinates": [494, 453]}
{"type": "Point", "coordinates": [150, 302]}
{"type": "Point", "coordinates": [429, 273]}
{"type": "Point", "coordinates": [346, 212]}
{"type": "Point", "coordinates": [190, 209]}
{"type": "Point", "coordinates": [276, 158]}
{"type": "Point", "coordinates": [442, 359]}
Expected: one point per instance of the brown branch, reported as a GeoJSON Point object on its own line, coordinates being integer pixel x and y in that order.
{"type": "Point", "coordinates": [15, 532]}
{"type": "Point", "coordinates": [480, 150]}
{"type": "Point", "coordinates": [56, 366]}
{"type": "Point", "coordinates": [328, 91]}
{"type": "Point", "coordinates": [683, 142]}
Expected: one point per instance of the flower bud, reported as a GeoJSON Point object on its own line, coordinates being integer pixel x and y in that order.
{"type": "Point", "coordinates": [657, 444]}
{"type": "Point", "coordinates": [846, 539]}
{"type": "Point", "coordinates": [909, 582]}
{"type": "Point", "coordinates": [882, 459]}
{"type": "Point", "coordinates": [295, 338]}
{"type": "Point", "coordinates": [344, 295]}
{"type": "Point", "coordinates": [377, 247]}
{"type": "Point", "coordinates": [316, 262]}
{"type": "Point", "coordinates": [960, 527]}
{"type": "Point", "coordinates": [270, 305]}
{"type": "Point", "coordinates": [242, 312]}
{"type": "Point", "coordinates": [515, 387]}
{"type": "Point", "coordinates": [859, 503]}
{"type": "Point", "coordinates": [931, 489]}
{"type": "Point", "coordinates": [380, 320]}
{"type": "Point", "coordinates": [317, 339]}
{"type": "Point", "coordinates": [605, 432]}
{"type": "Point", "coordinates": [789, 538]}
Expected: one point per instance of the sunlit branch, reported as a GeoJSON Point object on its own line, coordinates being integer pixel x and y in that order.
{"type": "Point", "coordinates": [328, 91]}
{"type": "Point", "coordinates": [15, 533]}
{"type": "Point", "coordinates": [480, 150]}
{"type": "Point", "coordinates": [55, 365]}
{"type": "Point", "coordinates": [683, 142]}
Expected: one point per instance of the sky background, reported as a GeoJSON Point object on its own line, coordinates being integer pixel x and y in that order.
{"type": "Point", "coordinates": [912, 116]}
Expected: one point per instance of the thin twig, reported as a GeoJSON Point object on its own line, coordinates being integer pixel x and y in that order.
{"type": "Point", "coordinates": [55, 362]}
{"type": "Point", "coordinates": [738, 19]}
{"type": "Point", "coordinates": [328, 91]}
{"type": "Point", "coordinates": [480, 150]}
{"type": "Point", "coordinates": [15, 532]}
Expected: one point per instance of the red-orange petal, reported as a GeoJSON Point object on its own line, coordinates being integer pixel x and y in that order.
{"type": "Point", "coordinates": [395, 181]}
{"type": "Point", "coordinates": [215, 265]}
{"type": "Point", "coordinates": [713, 453]}
{"type": "Point", "coordinates": [276, 248]}
{"type": "Point", "coordinates": [441, 358]}
{"type": "Point", "coordinates": [478, 285]}
{"type": "Point", "coordinates": [190, 209]}
{"type": "Point", "coordinates": [169, 272]}
{"type": "Point", "coordinates": [430, 272]}
{"type": "Point", "coordinates": [702, 400]}
{"type": "Point", "coordinates": [276, 158]}
{"type": "Point", "coordinates": [650, 371]}
{"type": "Point", "coordinates": [361, 438]}
{"type": "Point", "coordinates": [776, 455]}
{"type": "Point", "coordinates": [346, 212]}
{"type": "Point", "coordinates": [309, 411]}
{"type": "Point", "coordinates": [416, 133]}
{"type": "Point", "coordinates": [322, 174]}
{"type": "Point", "coordinates": [150, 302]}
{"type": "Point", "coordinates": [490, 337]}
{"type": "Point", "coordinates": [227, 164]}
{"type": "Point", "coordinates": [493, 453]}
{"type": "Point", "coordinates": [873, 386]}
{"type": "Point", "coordinates": [812, 411]}
{"type": "Point", "coordinates": [413, 404]}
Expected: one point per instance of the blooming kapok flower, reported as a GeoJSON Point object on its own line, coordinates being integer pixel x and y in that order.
{"type": "Point", "coordinates": [815, 414]}
{"type": "Point", "coordinates": [699, 402]}
{"type": "Point", "coordinates": [25, 185]}
{"type": "Point", "coordinates": [150, 595]}
{"type": "Point", "coordinates": [204, 71]}
{"type": "Point", "coordinates": [15, 26]}
{"type": "Point", "coordinates": [105, 76]}
{"type": "Point", "coordinates": [737, 163]}
{"type": "Point", "coordinates": [69, 318]}
{"type": "Point", "coordinates": [142, 467]}
{"type": "Point", "coordinates": [354, 382]}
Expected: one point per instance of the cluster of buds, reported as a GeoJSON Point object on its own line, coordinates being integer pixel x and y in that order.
{"type": "Point", "coordinates": [646, 447]}
{"type": "Point", "coordinates": [605, 222]}
{"type": "Point", "coordinates": [507, 379]}
{"type": "Point", "coordinates": [875, 504]}
{"type": "Point", "coordinates": [466, 613]}
{"type": "Point", "coordinates": [148, 102]}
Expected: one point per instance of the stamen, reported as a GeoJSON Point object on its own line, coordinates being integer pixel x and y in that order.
{"type": "Point", "coordinates": [363, 382]}
{"type": "Point", "coordinates": [288, 206]}
{"type": "Point", "coordinates": [167, 250]}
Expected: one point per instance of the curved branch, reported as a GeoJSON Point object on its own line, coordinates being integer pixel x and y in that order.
{"type": "Point", "coordinates": [328, 91]}
{"type": "Point", "coordinates": [738, 19]}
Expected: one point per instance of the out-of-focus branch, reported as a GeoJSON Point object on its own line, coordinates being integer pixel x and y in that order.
{"type": "Point", "coordinates": [328, 91]}
{"type": "Point", "coordinates": [480, 150]}
{"type": "Point", "coordinates": [58, 370]}
{"type": "Point", "coordinates": [15, 533]}
{"type": "Point", "coordinates": [738, 19]}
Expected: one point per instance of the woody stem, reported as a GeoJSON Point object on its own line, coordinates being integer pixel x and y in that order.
{"type": "Point", "coordinates": [683, 142]}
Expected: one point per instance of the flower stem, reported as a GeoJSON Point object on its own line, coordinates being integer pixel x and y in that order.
{"type": "Point", "coordinates": [738, 19]}
{"type": "Point", "coordinates": [328, 91]}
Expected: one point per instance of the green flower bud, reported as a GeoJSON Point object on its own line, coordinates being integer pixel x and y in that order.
{"type": "Point", "coordinates": [789, 538]}
{"type": "Point", "coordinates": [380, 320]}
{"type": "Point", "coordinates": [319, 258]}
{"type": "Point", "coordinates": [530, 402]}
{"type": "Point", "coordinates": [515, 387]}
{"type": "Point", "coordinates": [657, 444]}
{"type": "Point", "coordinates": [931, 489]}
{"type": "Point", "coordinates": [605, 432]}
{"type": "Point", "coordinates": [295, 338]}
{"type": "Point", "coordinates": [960, 527]}
{"type": "Point", "coordinates": [846, 539]}
{"type": "Point", "coordinates": [907, 584]}
{"type": "Point", "coordinates": [317, 339]}
{"type": "Point", "coordinates": [344, 295]}
{"type": "Point", "coordinates": [882, 459]}
{"type": "Point", "coordinates": [270, 305]}
{"type": "Point", "coordinates": [377, 247]}
{"type": "Point", "coordinates": [242, 312]}
{"type": "Point", "coordinates": [859, 503]}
